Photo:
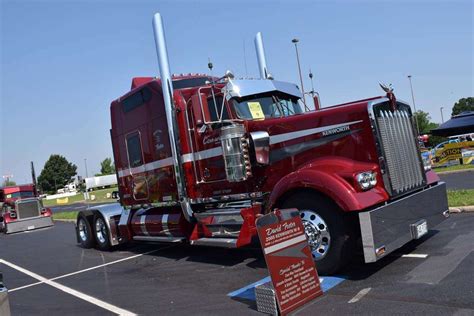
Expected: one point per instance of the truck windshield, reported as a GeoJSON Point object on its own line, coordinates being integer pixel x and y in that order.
{"type": "Point", "coordinates": [20, 195]}
{"type": "Point", "coordinates": [266, 106]}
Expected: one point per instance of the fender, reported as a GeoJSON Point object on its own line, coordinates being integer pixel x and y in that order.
{"type": "Point", "coordinates": [334, 177]}
{"type": "Point", "coordinates": [108, 212]}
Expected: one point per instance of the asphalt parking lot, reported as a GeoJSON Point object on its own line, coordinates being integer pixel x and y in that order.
{"type": "Point", "coordinates": [48, 274]}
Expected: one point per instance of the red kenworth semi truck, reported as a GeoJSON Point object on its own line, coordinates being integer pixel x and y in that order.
{"type": "Point", "coordinates": [21, 209]}
{"type": "Point", "coordinates": [199, 158]}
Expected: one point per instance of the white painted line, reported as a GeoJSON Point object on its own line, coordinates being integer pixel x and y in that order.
{"type": "Point", "coordinates": [82, 296]}
{"type": "Point", "coordinates": [359, 295]}
{"type": "Point", "coordinates": [88, 269]}
{"type": "Point", "coordinates": [415, 255]}
{"type": "Point", "coordinates": [285, 244]}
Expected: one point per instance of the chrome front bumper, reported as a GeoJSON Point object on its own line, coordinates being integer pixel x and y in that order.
{"type": "Point", "coordinates": [28, 224]}
{"type": "Point", "coordinates": [391, 226]}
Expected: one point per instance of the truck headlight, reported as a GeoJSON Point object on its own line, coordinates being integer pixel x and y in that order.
{"type": "Point", "coordinates": [236, 153]}
{"type": "Point", "coordinates": [367, 180]}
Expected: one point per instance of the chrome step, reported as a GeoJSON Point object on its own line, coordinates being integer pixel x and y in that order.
{"type": "Point", "coordinates": [217, 212]}
{"type": "Point", "coordinates": [216, 242]}
{"type": "Point", "coordinates": [159, 238]}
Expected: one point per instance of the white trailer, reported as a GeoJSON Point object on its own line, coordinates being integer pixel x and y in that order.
{"type": "Point", "coordinates": [101, 181]}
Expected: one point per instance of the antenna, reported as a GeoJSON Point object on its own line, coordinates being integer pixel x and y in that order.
{"type": "Point", "coordinates": [209, 64]}
{"type": "Point", "coordinates": [312, 85]}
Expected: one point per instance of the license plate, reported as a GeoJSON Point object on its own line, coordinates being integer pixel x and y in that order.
{"type": "Point", "coordinates": [419, 229]}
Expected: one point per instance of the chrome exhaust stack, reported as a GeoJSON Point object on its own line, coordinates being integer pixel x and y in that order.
{"type": "Point", "coordinates": [167, 87]}
{"type": "Point", "coordinates": [262, 61]}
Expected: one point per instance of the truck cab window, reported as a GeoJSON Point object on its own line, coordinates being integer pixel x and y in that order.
{"type": "Point", "coordinates": [216, 108]}
{"type": "Point", "coordinates": [134, 150]}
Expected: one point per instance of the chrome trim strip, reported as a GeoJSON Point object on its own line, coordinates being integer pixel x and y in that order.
{"type": "Point", "coordinates": [164, 225]}
{"type": "Point", "coordinates": [204, 154]}
{"type": "Point", "coordinates": [143, 225]}
{"type": "Point", "coordinates": [146, 167]}
{"type": "Point", "coordinates": [158, 238]}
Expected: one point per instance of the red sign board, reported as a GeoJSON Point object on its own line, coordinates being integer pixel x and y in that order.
{"type": "Point", "coordinates": [289, 259]}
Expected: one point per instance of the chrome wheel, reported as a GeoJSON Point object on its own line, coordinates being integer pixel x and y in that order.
{"type": "Point", "coordinates": [83, 233]}
{"type": "Point", "coordinates": [317, 232]}
{"type": "Point", "coordinates": [100, 230]}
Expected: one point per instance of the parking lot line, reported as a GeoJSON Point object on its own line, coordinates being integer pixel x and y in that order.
{"type": "Point", "coordinates": [80, 295]}
{"type": "Point", "coordinates": [88, 269]}
{"type": "Point", "coordinates": [359, 295]}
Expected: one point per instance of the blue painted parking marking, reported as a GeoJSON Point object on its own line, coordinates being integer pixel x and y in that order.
{"type": "Point", "coordinates": [248, 292]}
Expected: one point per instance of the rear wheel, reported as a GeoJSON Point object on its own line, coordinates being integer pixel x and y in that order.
{"type": "Point", "coordinates": [84, 232]}
{"type": "Point", "coordinates": [101, 232]}
{"type": "Point", "coordinates": [329, 232]}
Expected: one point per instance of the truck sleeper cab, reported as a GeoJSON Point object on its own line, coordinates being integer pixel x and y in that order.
{"type": "Point", "coordinates": [200, 164]}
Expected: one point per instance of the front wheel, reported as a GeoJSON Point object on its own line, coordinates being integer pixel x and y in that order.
{"type": "Point", "coordinates": [101, 232]}
{"type": "Point", "coordinates": [328, 231]}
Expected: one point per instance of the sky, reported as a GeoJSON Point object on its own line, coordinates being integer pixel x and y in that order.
{"type": "Point", "coordinates": [63, 62]}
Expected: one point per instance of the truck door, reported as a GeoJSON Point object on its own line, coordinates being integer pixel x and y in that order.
{"type": "Point", "coordinates": [208, 159]}
{"type": "Point", "coordinates": [133, 142]}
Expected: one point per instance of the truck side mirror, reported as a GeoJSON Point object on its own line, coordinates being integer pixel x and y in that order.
{"type": "Point", "coordinates": [261, 147]}
{"type": "Point", "coordinates": [200, 109]}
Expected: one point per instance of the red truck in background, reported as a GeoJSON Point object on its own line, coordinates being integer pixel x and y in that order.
{"type": "Point", "coordinates": [21, 209]}
{"type": "Point", "coordinates": [199, 158]}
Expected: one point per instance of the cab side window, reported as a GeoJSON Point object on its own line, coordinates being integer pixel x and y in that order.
{"type": "Point", "coordinates": [215, 108]}
{"type": "Point", "coordinates": [134, 150]}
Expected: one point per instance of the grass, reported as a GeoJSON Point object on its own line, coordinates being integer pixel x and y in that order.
{"type": "Point", "coordinates": [65, 215]}
{"type": "Point", "coordinates": [453, 168]}
{"type": "Point", "coordinates": [100, 197]}
{"type": "Point", "coordinates": [461, 197]}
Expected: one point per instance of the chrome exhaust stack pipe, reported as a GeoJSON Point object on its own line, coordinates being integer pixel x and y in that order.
{"type": "Point", "coordinates": [262, 61]}
{"type": "Point", "coordinates": [167, 87]}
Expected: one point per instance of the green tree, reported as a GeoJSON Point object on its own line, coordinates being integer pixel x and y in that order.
{"type": "Point", "coordinates": [464, 104]}
{"type": "Point", "coordinates": [106, 167]}
{"type": "Point", "coordinates": [56, 173]}
{"type": "Point", "coordinates": [425, 125]}
{"type": "Point", "coordinates": [423, 119]}
{"type": "Point", "coordinates": [8, 183]}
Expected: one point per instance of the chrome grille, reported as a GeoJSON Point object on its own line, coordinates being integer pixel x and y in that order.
{"type": "Point", "coordinates": [399, 148]}
{"type": "Point", "coordinates": [28, 208]}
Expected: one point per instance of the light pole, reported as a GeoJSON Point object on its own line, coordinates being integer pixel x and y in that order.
{"type": "Point", "coordinates": [295, 41]}
{"type": "Point", "coordinates": [442, 118]}
{"type": "Point", "coordinates": [414, 106]}
{"type": "Point", "coordinates": [6, 179]}
{"type": "Point", "coordinates": [85, 163]}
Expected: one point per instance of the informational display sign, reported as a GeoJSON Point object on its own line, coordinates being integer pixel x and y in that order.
{"type": "Point", "coordinates": [452, 151]}
{"type": "Point", "coordinates": [289, 260]}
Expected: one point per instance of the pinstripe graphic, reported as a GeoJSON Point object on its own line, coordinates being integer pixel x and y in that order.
{"type": "Point", "coordinates": [217, 151]}
{"type": "Point", "coordinates": [280, 138]}
{"type": "Point", "coordinates": [164, 224]}
{"type": "Point", "coordinates": [143, 225]}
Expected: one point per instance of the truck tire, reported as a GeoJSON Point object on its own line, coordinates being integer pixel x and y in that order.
{"type": "Point", "coordinates": [84, 232]}
{"type": "Point", "coordinates": [329, 232]}
{"type": "Point", "coordinates": [101, 232]}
